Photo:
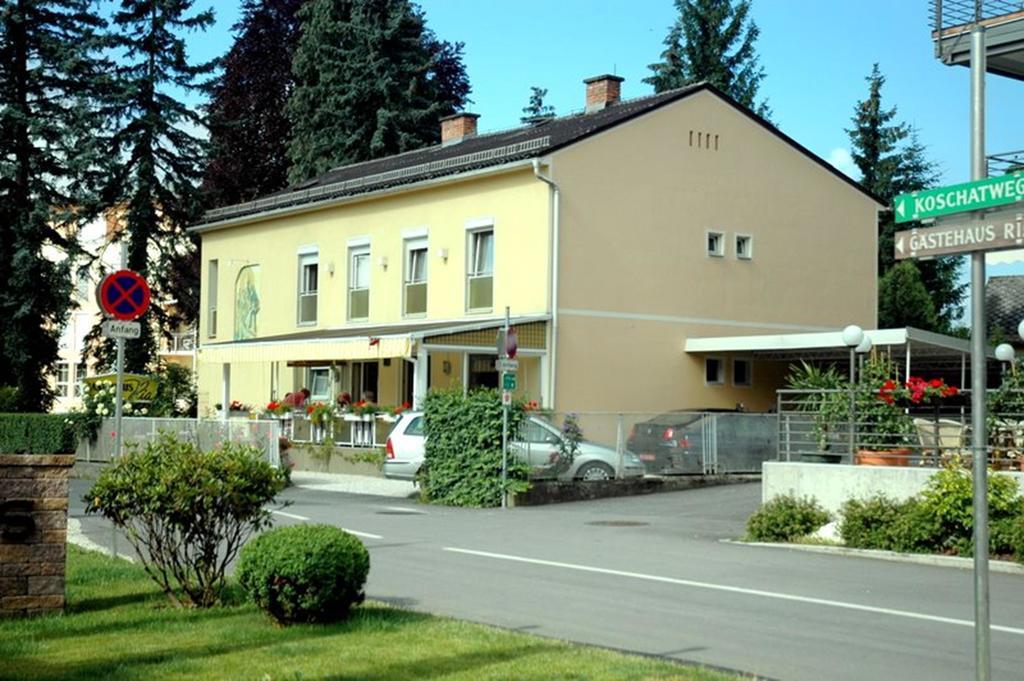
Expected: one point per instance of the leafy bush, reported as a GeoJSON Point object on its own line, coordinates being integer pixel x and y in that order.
{"type": "Point", "coordinates": [304, 573]}
{"type": "Point", "coordinates": [948, 499]}
{"type": "Point", "coordinates": [1015, 532]}
{"type": "Point", "coordinates": [869, 524]}
{"type": "Point", "coordinates": [187, 512]}
{"type": "Point", "coordinates": [36, 434]}
{"type": "Point", "coordinates": [786, 518]}
{"type": "Point", "coordinates": [887, 524]}
{"type": "Point", "coordinates": [462, 463]}
{"type": "Point", "coordinates": [8, 399]}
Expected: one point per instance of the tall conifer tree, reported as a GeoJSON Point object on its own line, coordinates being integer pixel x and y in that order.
{"type": "Point", "coordinates": [49, 76]}
{"type": "Point", "coordinates": [160, 156]}
{"type": "Point", "coordinates": [249, 130]}
{"type": "Point", "coordinates": [713, 41]}
{"type": "Point", "coordinates": [892, 161]}
{"type": "Point", "coordinates": [371, 80]}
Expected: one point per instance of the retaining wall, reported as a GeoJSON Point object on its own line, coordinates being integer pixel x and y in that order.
{"type": "Point", "coordinates": [832, 484]}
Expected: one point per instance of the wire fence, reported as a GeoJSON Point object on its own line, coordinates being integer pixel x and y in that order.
{"type": "Point", "coordinates": [617, 443]}
{"type": "Point", "coordinates": [856, 427]}
{"type": "Point", "coordinates": [206, 433]}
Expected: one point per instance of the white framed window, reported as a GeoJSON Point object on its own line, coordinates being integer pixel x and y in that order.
{"type": "Point", "coordinates": [480, 270]}
{"type": "Point", "coordinates": [359, 282]}
{"type": "Point", "coordinates": [309, 275]}
{"type": "Point", "coordinates": [744, 246]}
{"type": "Point", "coordinates": [716, 244]}
{"type": "Point", "coordinates": [212, 270]}
{"type": "Point", "coordinates": [714, 371]}
{"type": "Point", "coordinates": [319, 384]}
{"type": "Point", "coordinates": [81, 371]}
{"type": "Point", "coordinates": [415, 289]}
{"type": "Point", "coordinates": [741, 372]}
{"type": "Point", "coordinates": [63, 379]}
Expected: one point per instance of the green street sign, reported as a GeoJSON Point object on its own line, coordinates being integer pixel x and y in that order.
{"type": "Point", "coordinates": [959, 198]}
{"type": "Point", "coordinates": [508, 382]}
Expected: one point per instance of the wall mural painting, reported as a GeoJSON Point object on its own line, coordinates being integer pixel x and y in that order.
{"type": "Point", "coordinates": [247, 302]}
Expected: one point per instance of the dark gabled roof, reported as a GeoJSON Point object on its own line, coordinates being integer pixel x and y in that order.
{"type": "Point", "coordinates": [478, 152]}
{"type": "Point", "coordinates": [1004, 298]}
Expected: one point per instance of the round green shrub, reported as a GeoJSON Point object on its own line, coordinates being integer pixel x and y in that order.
{"type": "Point", "coordinates": [786, 518]}
{"type": "Point", "coordinates": [304, 573]}
{"type": "Point", "coordinates": [889, 525]}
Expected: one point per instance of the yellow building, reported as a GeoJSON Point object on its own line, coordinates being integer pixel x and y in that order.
{"type": "Point", "coordinates": [612, 236]}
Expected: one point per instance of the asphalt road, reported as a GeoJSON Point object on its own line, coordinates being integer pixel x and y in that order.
{"type": "Point", "coordinates": [650, 574]}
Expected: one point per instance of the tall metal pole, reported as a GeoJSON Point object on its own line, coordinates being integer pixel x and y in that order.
{"type": "Point", "coordinates": [504, 423]}
{"type": "Point", "coordinates": [982, 650]}
{"type": "Point", "coordinates": [853, 377]}
{"type": "Point", "coordinates": [119, 391]}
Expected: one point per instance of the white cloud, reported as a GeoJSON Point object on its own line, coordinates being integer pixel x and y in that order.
{"type": "Point", "coordinates": [1004, 257]}
{"type": "Point", "coordinates": [841, 159]}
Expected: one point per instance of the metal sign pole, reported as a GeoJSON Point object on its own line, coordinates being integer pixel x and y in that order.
{"type": "Point", "coordinates": [982, 652]}
{"type": "Point", "coordinates": [118, 395]}
{"type": "Point", "coordinates": [504, 424]}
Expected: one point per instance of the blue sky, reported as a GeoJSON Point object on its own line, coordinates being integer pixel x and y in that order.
{"type": "Point", "coordinates": [816, 54]}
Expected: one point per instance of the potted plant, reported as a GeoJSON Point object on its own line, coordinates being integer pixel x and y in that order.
{"type": "Point", "coordinates": [824, 396]}
{"type": "Point", "coordinates": [391, 414]}
{"type": "Point", "coordinates": [883, 428]}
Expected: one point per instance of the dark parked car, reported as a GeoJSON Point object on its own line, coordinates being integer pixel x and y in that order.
{"type": "Point", "coordinates": [669, 443]}
{"type": "Point", "coordinates": [674, 443]}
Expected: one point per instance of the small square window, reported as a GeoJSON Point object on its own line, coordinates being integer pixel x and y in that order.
{"type": "Point", "coordinates": [716, 244]}
{"type": "Point", "coordinates": [741, 372]}
{"type": "Point", "coordinates": [744, 246]}
{"type": "Point", "coordinates": [713, 371]}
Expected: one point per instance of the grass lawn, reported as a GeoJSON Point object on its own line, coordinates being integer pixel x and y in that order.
{"type": "Point", "coordinates": [119, 626]}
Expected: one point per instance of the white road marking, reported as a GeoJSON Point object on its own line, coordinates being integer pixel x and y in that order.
{"type": "Point", "coordinates": [738, 590]}
{"type": "Point", "coordinates": [362, 534]}
{"type": "Point", "coordinates": [357, 533]}
{"type": "Point", "coordinates": [405, 509]}
{"type": "Point", "coordinates": [290, 515]}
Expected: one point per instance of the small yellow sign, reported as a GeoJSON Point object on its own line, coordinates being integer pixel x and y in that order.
{"type": "Point", "coordinates": [137, 388]}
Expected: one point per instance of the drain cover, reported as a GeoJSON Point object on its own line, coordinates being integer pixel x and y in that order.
{"type": "Point", "coordinates": [397, 512]}
{"type": "Point", "coordinates": [617, 523]}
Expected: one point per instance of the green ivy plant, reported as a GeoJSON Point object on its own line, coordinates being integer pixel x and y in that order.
{"type": "Point", "coordinates": [462, 463]}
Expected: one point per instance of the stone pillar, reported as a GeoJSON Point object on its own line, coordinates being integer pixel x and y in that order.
{"type": "Point", "coordinates": [33, 532]}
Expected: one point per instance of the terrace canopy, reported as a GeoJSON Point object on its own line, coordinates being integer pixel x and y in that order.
{"type": "Point", "coordinates": [914, 350]}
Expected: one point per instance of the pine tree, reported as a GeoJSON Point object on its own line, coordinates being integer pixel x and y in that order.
{"type": "Point", "coordinates": [249, 130]}
{"type": "Point", "coordinates": [49, 76]}
{"type": "Point", "coordinates": [903, 299]}
{"type": "Point", "coordinates": [537, 109]}
{"type": "Point", "coordinates": [892, 161]}
{"type": "Point", "coordinates": [159, 158]}
{"type": "Point", "coordinates": [712, 41]}
{"type": "Point", "coordinates": [371, 80]}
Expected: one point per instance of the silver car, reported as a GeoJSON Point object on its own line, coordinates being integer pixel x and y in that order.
{"type": "Point", "coordinates": [538, 445]}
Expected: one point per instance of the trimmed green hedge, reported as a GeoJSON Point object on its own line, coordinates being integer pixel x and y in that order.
{"type": "Point", "coordinates": [36, 434]}
{"type": "Point", "coordinates": [304, 573]}
{"type": "Point", "coordinates": [462, 464]}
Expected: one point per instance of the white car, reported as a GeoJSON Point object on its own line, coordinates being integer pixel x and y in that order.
{"type": "Point", "coordinates": [539, 446]}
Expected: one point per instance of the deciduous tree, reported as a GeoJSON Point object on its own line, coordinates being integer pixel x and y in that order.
{"type": "Point", "coordinates": [249, 129]}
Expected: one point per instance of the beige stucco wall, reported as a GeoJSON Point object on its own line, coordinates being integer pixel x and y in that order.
{"type": "Point", "coordinates": [635, 279]}
{"type": "Point", "coordinates": [515, 202]}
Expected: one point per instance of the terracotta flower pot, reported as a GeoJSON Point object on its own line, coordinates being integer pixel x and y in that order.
{"type": "Point", "coordinates": [886, 457]}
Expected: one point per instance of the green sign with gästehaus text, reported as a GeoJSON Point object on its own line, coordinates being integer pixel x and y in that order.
{"type": "Point", "coordinates": [960, 198]}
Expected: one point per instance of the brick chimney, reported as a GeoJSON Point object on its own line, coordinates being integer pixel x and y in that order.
{"type": "Point", "coordinates": [602, 91]}
{"type": "Point", "coordinates": [458, 126]}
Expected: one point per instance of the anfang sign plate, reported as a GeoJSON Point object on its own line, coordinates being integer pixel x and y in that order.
{"type": "Point", "coordinates": [960, 198]}
{"type": "Point", "coordinates": [994, 232]}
